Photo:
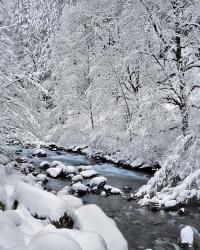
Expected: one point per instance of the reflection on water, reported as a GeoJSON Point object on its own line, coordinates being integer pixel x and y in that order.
{"type": "Point", "coordinates": [142, 228]}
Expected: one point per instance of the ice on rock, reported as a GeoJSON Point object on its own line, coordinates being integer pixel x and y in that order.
{"type": "Point", "coordinates": [42, 203]}
{"type": "Point", "coordinates": [53, 241]}
{"type": "Point", "coordinates": [54, 172]}
{"type": "Point", "coordinates": [170, 203]}
{"type": "Point", "coordinates": [187, 236]}
{"type": "Point", "coordinates": [88, 173]}
{"type": "Point", "coordinates": [91, 241]}
{"type": "Point", "coordinates": [99, 182]}
{"type": "Point", "coordinates": [92, 218]}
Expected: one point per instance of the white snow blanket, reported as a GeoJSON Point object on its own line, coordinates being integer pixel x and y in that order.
{"type": "Point", "coordinates": [92, 218]}
{"type": "Point", "coordinates": [42, 203]}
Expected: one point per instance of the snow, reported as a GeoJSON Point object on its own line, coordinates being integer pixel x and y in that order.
{"type": "Point", "coordinates": [44, 164]}
{"type": "Point", "coordinates": [91, 241]}
{"type": "Point", "coordinates": [41, 177]}
{"type": "Point", "coordinates": [54, 172]}
{"type": "Point", "coordinates": [10, 236]}
{"type": "Point", "coordinates": [69, 169]}
{"type": "Point", "coordinates": [99, 181]}
{"type": "Point", "coordinates": [116, 191]}
{"type": "Point", "coordinates": [73, 201]}
{"type": "Point", "coordinates": [187, 236]}
{"type": "Point", "coordinates": [92, 218]}
{"type": "Point", "coordinates": [42, 203]}
{"type": "Point", "coordinates": [55, 163]}
{"type": "Point", "coordinates": [79, 187]}
{"type": "Point", "coordinates": [52, 241]}
{"type": "Point", "coordinates": [88, 173]}
{"type": "Point", "coordinates": [39, 152]}
{"type": "Point", "coordinates": [77, 177]}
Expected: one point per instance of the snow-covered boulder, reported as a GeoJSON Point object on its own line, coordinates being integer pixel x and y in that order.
{"type": "Point", "coordinates": [91, 241]}
{"type": "Point", "coordinates": [79, 188]}
{"type": "Point", "coordinates": [42, 203]}
{"type": "Point", "coordinates": [39, 153]}
{"type": "Point", "coordinates": [10, 236]}
{"type": "Point", "coordinates": [41, 177]}
{"type": "Point", "coordinates": [98, 182]}
{"type": "Point", "coordinates": [53, 241]}
{"type": "Point", "coordinates": [116, 191]}
{"type": "Point", "coordinates": [75, 202]}
{"type": "Point", "coordinates": [44, 164]}
{"type": "Point", "coordinates": [54, 172]}
{"type": "Point", "coordinates": [55, 163]}
{"type": "Point", "coordinates": [187, 236]}
{"type": "Point", "coordinates": [69, 169]}
{"type": "Point", "coordinates": [88, 173]}
{"type": "Point", "coordinates": [92, 218]}
{"type": "Point", "coordinates": [77, 178]}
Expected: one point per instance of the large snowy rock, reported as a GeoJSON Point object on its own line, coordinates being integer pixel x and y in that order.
{"type": "Point", "coordinates": [42, 203]}
{"type": "Point", "coordinates": [92, 218]}
{"type": "Point", "coordinates": [53, 241]}
{"type": "Point", "coordinates": [77, 178]}
{"type": "Point", "coordinates": [80, 188]}
{"type": "Point", "coordinates": [88, 173]}
{"type": "Point", "coordinates": [39, 153]}
{"type": "Point", "coordinates": [54, 172]}
{"type": "Point", "coordinates": [10, 236]}
{"type": "Point", "coordinates": [187, 236]}
{"type": "Point", "coordinates": [75, 202]}
{"type": "Point", "coordinates": [91, 241]}
{"type": "Point", "coordinates": [98, 182]}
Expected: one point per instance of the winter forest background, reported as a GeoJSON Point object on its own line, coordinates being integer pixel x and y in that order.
{"type": "Point", "coordinates": [117, 79]}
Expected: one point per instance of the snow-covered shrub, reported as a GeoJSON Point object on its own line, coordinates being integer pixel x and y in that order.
{"type": "Point", "coordinates": [179, 178]}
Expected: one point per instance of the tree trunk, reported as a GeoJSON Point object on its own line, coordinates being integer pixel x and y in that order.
{"type": "Point", "coordinates": [184, 121]}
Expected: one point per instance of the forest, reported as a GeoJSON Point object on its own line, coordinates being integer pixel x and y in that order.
{"type": "Point", "coordinates": [93, 93]}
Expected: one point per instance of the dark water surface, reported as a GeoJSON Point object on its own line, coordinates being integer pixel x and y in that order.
{"type": "Point", "coordinates": [143, 229]}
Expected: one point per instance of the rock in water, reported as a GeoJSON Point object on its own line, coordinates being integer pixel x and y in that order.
{"type": "Point", "coordinates": [187, 236]}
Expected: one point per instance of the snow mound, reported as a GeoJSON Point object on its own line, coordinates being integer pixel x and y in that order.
{"type": "Point", "coordinates": [80, 188]}
{"type": "Point", "coordinates": [39, 153]}
{"type": "Point", "coordinates": [52, 241]}
{"type": "Point", "coordinates": [74, 202]}
{"type": "Point", "coordinates": [170, 185]}
{"type": "Point", "coordinates": [99, 182]}
{"type": "Point", "coordinates": [10, 236]}
{"type": "Point", "coordinates": [116, 191]}
{"type": "Point", "coordinates": [187, 236]}
{"type": "Point", "coordinates": [69, 169]}
{"type": "Point", "coordinates": [44, 164]}
{"type": "Point", "coordinates": [91, 241]}
{"type": "Point", "coordinates": [42, 203]}
{"type": "Point", "coordinates": [92, 218]}
{"type": "Point", "coordinates": [77, 178]}
{"type": "Point", "coordinates": [54, 172]}
{"type": "Point", "coordinates": [88, 173]}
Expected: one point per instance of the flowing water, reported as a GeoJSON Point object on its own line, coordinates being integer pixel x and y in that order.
{"type": "Point", "coordinates": [142, 228]}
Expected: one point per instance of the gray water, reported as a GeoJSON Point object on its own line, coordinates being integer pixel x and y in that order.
{"type": "Point", "coordinates": [142, 228]}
